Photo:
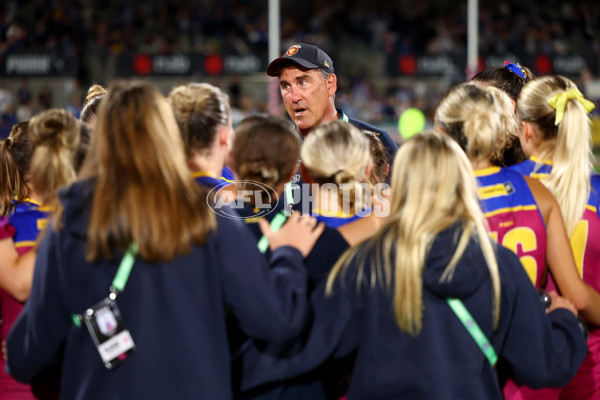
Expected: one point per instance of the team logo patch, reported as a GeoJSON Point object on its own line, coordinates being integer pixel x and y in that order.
{"type": "Point", "coordinates": [292, 50]}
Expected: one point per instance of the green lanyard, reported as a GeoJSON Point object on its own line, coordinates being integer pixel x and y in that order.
{"type": "Point", "coordinates": [120, 279]}
{"type": "Point", "coordinates": [469, 322]}
{"type": "Point", "coordinates": [118, 283]}
{"type": "Point", "coordinates": [276, 223]}
{"type": "Point", "coordinates": [289, 194]}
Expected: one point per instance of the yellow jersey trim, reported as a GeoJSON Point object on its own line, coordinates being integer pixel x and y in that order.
{"type": "Point", "coordinates": [28, 200]}
{"type": "Point", "coordinates": [337, 214]}
{"type": "Point", "coordinates": [510, 209]}
{"type": "Point", "coordinates": [486, 171]}
{"type": "Point", "coordinates": [25, 243]}
{"type": "Point", "coordinates": [538, 161]}
{"type": "Point", "coordinates": [204, 173]}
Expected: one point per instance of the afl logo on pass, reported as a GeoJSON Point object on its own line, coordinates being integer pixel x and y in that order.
{"type": "Point", "coordinates": [292, 50]}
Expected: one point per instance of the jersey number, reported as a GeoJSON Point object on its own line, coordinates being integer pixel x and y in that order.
{"type": "Point", "coordinates": [526, 238]}
{"type": "Point", "coordinates": [578, 241]}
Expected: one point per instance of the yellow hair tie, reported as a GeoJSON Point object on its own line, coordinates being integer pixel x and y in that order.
{"type": "Point", "coordinates": [559, 103]}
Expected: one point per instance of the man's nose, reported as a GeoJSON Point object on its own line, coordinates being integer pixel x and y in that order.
{"type": "Point", "coordinates": [296, 95]}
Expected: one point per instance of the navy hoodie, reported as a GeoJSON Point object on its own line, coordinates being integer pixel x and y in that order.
{"type": "Point", "coordinates": [442, 361]}
{"type": "Point", "coordinates": [175, 311]}
{"type": "Point", "coordinates": [323, 256]}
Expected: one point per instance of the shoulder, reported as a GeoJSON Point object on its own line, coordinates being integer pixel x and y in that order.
{"type": "Point", "coordinates": [383, 135]}
{"type": "Point", "coordinates": [328, 249]}
{"type": "Point", "coordinates": [330, 242]}
{"type": "Point", "coordinates": [543, 197]}
{"type": "Point", "coordinates": [523, 168]}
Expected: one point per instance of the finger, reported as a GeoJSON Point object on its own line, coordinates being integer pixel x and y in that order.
{"type": "Point", "coordinates": [319, 229]}
{"type": "Point", "coordinates": [553, 295]}
{"type": "Point", "coordinates": [309, 221]}
{"type": "Point", "coordinates": [264, 226]}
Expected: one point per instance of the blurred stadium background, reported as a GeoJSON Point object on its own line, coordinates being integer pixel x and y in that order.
{"type": "Point", "coordinates": [388, 55]}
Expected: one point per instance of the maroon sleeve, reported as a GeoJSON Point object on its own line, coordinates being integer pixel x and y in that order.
{"type": "Point", "coordinates": [6, 229]}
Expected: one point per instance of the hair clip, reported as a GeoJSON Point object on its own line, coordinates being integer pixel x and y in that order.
{"type": "Point", "coordinates": [271, 173]}
{"type": "Point", "coordinates": [517, 70]}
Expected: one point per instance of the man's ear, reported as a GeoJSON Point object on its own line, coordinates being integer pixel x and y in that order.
{"type": "Point", "coordinates": [331, 84]}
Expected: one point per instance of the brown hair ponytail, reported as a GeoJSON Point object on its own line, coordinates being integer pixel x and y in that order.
{"type": "Point", "coordinates": [15, 158]}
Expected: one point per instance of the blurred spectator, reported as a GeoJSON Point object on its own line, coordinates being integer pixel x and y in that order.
{"type": "Point", "coordinates": [45, 99]}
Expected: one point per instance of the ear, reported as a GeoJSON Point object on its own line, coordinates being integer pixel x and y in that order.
{"type": "Point", "coordinates": [514, 104]}
{"type": "Point", "coordinates": [529, 137]}
{"type": "Point", "coordinates": [224, 136]}
{"type": "Point", "coordinates": [331, 84]}
{"type": "Point", "coordinates": [368, 170]}
{"type": "Point", "coordinates": [527, 132]}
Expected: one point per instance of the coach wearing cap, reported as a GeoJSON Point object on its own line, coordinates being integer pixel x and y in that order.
{"type": "Point", "coordinates": [308, 87]}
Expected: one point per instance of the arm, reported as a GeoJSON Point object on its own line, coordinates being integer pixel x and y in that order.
{"type": "Point", "coordinates": [271, 303]}
{"type": "Point", "coordinates": [334, 332]}
{"type": "Point", "coordinates": [560, 259]}
{"type": "Point", "coordinates": [16, 271]}
{"type": "Point", "coordinates": [544, 350]}
{"type": "Point", "coordinates": [36, 338]}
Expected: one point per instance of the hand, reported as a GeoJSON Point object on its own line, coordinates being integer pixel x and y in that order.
{"type": "Point", "coordinates": [560, 302]}
{"type": "Point", "coordinates": [298, 231]}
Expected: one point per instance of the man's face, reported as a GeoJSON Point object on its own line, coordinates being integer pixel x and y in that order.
{"type": "Point", "coordinates": [307, 97]}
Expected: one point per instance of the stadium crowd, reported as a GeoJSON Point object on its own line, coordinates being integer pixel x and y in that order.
{"type": "Point", "coordinates": [91, 31]}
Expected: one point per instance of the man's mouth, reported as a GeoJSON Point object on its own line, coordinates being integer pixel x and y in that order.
{"type": "Point", "coordinates": [299, 111]}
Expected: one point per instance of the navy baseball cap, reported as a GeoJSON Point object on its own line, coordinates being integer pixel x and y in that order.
{"type": "Point", "coordinates": [304, 55]}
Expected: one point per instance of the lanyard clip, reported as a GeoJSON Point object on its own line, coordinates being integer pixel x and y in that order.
{"type": "Point", "coordinates": [114, 292]}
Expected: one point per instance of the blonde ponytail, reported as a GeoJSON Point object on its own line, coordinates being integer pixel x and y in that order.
{"type": "Point", "coordinates": [338, 153]}
{"type": "Point", "coordinates": [470, 115]}
{"type": "Point", "coordinates": [568, 144]}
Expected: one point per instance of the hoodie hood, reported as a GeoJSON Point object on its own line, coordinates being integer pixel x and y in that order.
{"type": "Point", "coordinates": [76, 200]}
{"type": "Point", "coordinates": [470, 272]}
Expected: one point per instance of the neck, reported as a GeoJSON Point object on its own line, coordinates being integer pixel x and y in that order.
{"type": "Point", "coordinates": [33, 195]}
{"type": "Point", "coordinates": [481, 164]}
{"type": "Point", "coordinates": [206, 162]}
{"type": "Point", "coordinates": [543, 154]}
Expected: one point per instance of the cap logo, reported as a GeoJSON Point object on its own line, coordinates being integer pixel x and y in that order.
{"type": "Point", "coordinates": [325, 64]}
{"type": "Point", "coordinates": [292, 50]}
